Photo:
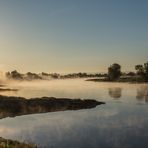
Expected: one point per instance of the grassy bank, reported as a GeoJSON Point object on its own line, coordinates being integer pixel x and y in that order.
{"type": "Point", "coordinates": [122, 79]}
{"type": "Point", "coordinates": [6, 143]}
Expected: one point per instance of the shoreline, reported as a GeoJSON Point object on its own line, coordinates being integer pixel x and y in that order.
{"type": "Point", "coordinates": [117, 81]}
{"type": "Point", "coordinates": [17, 106]}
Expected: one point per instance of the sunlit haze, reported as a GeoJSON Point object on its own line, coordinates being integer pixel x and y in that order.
{"type": "Point", "coordinates": [72, 35]}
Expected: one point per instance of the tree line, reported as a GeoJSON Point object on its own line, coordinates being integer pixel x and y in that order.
{"type": "Point", "coordinates": [114, 74]}
{"type": "Point", "coordinates": [15, 75]}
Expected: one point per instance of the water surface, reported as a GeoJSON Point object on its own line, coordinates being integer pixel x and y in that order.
{"type": "Point", "coordinates": [121, 123]}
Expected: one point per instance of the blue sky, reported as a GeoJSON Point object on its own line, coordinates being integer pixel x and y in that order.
{"type": "Point", "coordinates": [72, 35]}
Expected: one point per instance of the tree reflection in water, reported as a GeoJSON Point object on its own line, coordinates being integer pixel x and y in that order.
{"type": "Point", "coordinates": [142, 93]}
{"type": "Point", "coordinates": [115, 92]}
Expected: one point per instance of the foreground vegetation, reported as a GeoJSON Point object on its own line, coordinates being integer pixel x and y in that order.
{"type": "Point", "coordinates": [5, 143]}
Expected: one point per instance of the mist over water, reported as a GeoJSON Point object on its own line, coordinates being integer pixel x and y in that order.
{"type": "Point", "coordinates": [109, 126]}
{"type": "Point", "coordinates": [79, 88]}
{"type": "Point", "coordinates": [121, 122]}
{"type": "Point", "coordinates": [47, 50]}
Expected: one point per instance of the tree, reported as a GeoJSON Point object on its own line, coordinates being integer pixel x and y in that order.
{"type": "Point", "coordinates": [32, 76]}
{"type": "Point", "coordinates": [114, 72]}
{"type": "Point", "coordinates": [16, 75]}
{"type": "Point", "coordinates": [142, 70]}
{"type": "Point", "coordinates": [146, 68]}
{"type": "Point", "coordinates": [8, 75]}
{"type": "Point", "coordinates": [139, 69]}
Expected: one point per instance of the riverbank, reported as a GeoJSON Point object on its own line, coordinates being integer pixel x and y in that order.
{"type": "Point", "coordinates": [7, 143]}
{"type": "Point", "coordinates": [122, 80]}
{"type": "Point", "coordinates": [16, 106]}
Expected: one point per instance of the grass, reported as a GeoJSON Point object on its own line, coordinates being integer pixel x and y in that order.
{"type": "Point", "coordinates": [6, 143]}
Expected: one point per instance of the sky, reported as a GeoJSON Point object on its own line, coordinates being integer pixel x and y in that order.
{"type": "Point", "coordinates": [72, 35]}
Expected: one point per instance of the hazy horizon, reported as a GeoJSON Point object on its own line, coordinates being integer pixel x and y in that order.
{"type": "Point", "coordinates": [72, 36]}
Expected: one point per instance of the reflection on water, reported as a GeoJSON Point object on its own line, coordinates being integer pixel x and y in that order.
{"type": "Point", "coordinates": [115, 93]}
{"type": "Point", "coordinates": [142, 93]}
{"type": "Point", "coordinates": [79, 88]}
{"type": "Point", "coordinates": [109, 126]}
{"type": "Point", "coordinates": [121, 123]}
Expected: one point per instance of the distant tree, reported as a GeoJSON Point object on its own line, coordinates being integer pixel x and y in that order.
{"type": "Point", "coordinates": [114, 72]}
{"type": "Point", "coordinates": [45, 74]}
{"type": "Point", "coordinates": [55, 76]}
{"type": "Point", "coordinates": [146, 69]}
{"type": "Point", "coordinates": [130, 74]}
{"type": "Point", "coordinates": [32, 76]}
{"type": "Point", "coordinates": [139, 69]}
{"type": "Point", "coordinates": [16, 75]}
{"type": "Point", "coordinates": [142, 70]}
{"type": "Point", "coordinates": [8, 75]}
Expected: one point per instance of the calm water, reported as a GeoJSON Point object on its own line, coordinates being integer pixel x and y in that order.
{"type": "Point", "coordinates": [121, 123]}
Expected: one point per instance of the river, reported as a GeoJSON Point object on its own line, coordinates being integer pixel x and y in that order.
{"type": "Point", "coordinates": [121, 123]}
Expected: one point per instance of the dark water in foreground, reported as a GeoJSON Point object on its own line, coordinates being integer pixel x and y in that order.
{"type": "Point", "coordinates": [121, 123]}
